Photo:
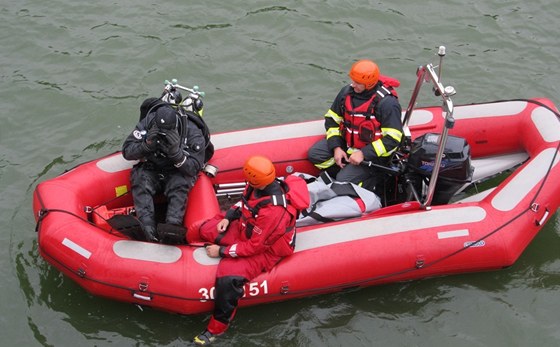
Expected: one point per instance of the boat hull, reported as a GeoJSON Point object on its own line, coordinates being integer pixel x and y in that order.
{"type": "Point", "coordinates": [403, 242]}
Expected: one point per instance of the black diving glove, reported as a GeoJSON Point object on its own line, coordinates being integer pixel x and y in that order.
{"type": "Point", "coordinates": [173, 147]}
{"type": "Point", "coordinates": [151, 140]}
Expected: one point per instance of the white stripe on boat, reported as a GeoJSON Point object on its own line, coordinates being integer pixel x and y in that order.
{"type": "Point", "coordinates": [454, 233]}
{"type": "Point", "coordinates": [510, 108]}
{"type": "Point", "coordinates": [363, 229]}
{"type": "Point", "coordinates": [200, 256]}
{"type": "Point", "coordinates": [152, 252]}
{"type": "Point", "coordinates": [420, 117]}
{"type": "Point", "coordinates": [547, 124]}
{"type": "Point", "coordinates": [279, 132]}
{"type": "Point", "coordinates": [525, 180]}
{"type": "Point", "coordinates": [115, 163]}
{"type": "Point", "coordinates": [76, 248]}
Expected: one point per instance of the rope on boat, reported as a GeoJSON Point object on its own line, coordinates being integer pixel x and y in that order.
{"type": "Point", "coordinates": [43, 212]}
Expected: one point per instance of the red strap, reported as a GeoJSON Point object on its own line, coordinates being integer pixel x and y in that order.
{"type": "Point", "coordinates": [361, 204]}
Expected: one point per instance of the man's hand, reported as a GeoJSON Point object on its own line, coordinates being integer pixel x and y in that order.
{"type": "Point", "coordinates": [356, 157]}
{"type": "Point", "coordinates": [340, 157]}
{"type": "Point", "coordinates": [150, 141]}
{"type": "Point", "coordinates": [222, 225]}
{"type": "Point", "coordinates": [172, 148]}
{"type": "Point", "coordinates": [172, 144]}
{"type": "Point", "coordinates": [213, 251]}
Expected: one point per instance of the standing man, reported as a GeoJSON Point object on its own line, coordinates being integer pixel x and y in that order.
{"type": "Point", "coordinates": [363, 123]}
{"type": "Point", "coordinates": [170, 149]}
{"type": "Point", "coordinates": [253, 236]}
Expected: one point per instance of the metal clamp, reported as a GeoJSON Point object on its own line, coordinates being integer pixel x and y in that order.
{"type": "Point", "coordinates": [210, 170]}
{"type": "Point", "coordinates": [420, 262]}
{"type": "Point", "coordinates": [143, 286]}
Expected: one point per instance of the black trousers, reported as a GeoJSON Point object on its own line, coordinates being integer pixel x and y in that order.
{"type": "Point", "coordinates": [319, 154]}
{"type": "Point", "coordinates": [147, 183]}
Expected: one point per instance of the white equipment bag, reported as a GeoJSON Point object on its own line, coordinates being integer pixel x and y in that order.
{"type": "Point", "coordinates": [332, 200]}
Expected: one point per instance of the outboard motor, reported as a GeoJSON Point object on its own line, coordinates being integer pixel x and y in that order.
{"type": "Point", "coordinates": [455, 169]}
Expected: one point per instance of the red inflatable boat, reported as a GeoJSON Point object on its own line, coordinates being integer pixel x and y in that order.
{"type": "Point", "coordinates": [405, 239]}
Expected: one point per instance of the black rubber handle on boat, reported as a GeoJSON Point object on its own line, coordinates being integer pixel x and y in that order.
{"type": "Point", "coordinates": [394, 171]}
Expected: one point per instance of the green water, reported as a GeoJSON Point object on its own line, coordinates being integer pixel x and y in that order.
{"type": "Point", "coordinates": [72, 77]}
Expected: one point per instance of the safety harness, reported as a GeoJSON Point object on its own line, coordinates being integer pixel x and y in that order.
{"type": "Point", "coordinates": [360, 126]}
{"type": "Point", "coordinates": [295, 198]}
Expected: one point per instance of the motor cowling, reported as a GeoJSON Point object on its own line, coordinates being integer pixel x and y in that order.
{"type": "Point", "coordinates": [455, 169]}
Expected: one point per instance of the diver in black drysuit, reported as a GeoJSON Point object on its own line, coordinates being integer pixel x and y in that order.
{"type": "Point", "coordinates": [170, 150]}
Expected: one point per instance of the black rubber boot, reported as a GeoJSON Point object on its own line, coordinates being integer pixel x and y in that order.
{"type": "Point", "coordinates": [150, 233]}
{"type": "Point", "coordinates": [172, 234]}
{"type": "Point", "coordinates": [205, 338]}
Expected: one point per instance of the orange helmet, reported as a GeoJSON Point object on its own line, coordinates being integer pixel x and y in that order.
{"type": "Point", "coordinates": [365, 72]}
{"type": "Point", "coordinates": [259, 171]}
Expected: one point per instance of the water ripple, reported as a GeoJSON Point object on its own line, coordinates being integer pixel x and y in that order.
{"type": "Point", "coordinates": [74, 74]}
{"type": "Point", "coordinates": [204, 27]}
{"type": "Point", "coordinates": [271, 9]}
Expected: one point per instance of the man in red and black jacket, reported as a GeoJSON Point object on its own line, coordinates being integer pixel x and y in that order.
{"type": "Point", "coordinates": [363, 123]}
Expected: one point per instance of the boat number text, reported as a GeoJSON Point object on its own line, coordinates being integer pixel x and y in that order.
{"type": "Point", "coordinates": [251, 289]}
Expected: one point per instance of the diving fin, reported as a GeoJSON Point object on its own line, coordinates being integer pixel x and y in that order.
{"type": "Point", "coordinates": [127, 225]}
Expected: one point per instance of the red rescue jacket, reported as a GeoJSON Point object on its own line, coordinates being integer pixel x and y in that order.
{"type": "Point", "coordinates": [268, 221]}
{"type": "Point", "coordinates": [360, 127]}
